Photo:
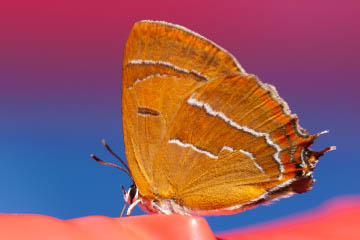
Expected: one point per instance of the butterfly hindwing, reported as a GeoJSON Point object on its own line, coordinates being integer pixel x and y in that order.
{"type": "Point", "coordinates": [233, 147]}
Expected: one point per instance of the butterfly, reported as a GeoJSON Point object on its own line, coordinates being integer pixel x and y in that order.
{"type": "Point", "coordinates": [202, 136]}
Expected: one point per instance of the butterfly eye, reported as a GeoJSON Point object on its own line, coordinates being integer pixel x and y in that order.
{"type": "Point", "coordinates": [132, 193]}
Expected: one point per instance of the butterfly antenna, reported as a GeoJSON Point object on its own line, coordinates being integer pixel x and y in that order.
{"type": "Point", "coordinates": [115, 155]}
{"type": "Point", "coordinates": [110, 164]}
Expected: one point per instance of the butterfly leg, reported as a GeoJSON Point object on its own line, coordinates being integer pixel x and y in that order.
{"type": "Point", "coordinates": [131, 207]}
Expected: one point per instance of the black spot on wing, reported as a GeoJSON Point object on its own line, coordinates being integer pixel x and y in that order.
{"type": "Point", "coordinates": [148, 111]}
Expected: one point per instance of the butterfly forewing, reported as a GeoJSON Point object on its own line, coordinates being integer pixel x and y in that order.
{"type": "Point", "coordinates": [163, 64]}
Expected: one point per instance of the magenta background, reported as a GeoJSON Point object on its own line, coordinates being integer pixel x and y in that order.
{"type": "Point", "coordinates": [60, 75]}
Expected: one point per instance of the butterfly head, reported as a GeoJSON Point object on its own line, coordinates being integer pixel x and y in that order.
{"type": "Point", "coordinates": [131, 195]}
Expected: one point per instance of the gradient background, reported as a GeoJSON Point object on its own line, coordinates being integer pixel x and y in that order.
{"type": "Point", "coordinates": [60, 74]}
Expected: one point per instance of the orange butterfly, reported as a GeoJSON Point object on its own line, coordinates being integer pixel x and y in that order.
{"type": "Point", "coordinates": [202, 136]}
